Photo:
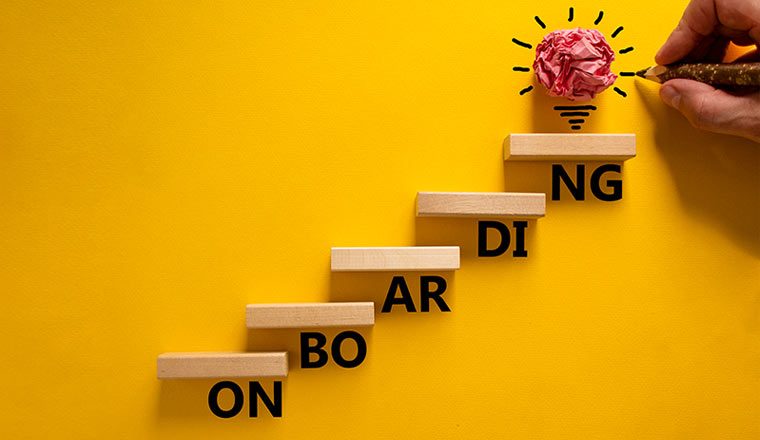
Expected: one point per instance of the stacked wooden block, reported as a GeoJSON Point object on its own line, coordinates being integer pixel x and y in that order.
{"type": "Point", "coordinates": [270, 364]}
{"type": "Point", "coordinates": [517, 147]}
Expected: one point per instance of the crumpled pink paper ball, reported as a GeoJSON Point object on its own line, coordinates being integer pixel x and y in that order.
{"type": "Point", "coordinates": [574, 63]}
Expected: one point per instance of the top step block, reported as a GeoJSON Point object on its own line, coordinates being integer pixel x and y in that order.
{"type": "Point", "coordinates": [378, 259]}
{"type": "Point", "coordinates": [570, 147]}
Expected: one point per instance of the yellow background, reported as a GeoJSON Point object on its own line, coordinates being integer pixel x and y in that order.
{"type": "Point", "coordinates": [163, 164]}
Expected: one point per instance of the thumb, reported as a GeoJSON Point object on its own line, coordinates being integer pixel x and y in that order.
{"type": "Point", "coordinates": [711, 109]}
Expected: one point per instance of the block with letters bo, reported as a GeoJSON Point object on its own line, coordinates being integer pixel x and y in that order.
{"type": "Point", "coordinates": [308, 315]}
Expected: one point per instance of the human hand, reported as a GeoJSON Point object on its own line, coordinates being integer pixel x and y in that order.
{"type": "Point", "coordinates": [703, 34]}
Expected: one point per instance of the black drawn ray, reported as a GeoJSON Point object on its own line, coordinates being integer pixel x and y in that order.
{"type": "Point", "coordinates": [522, 44]}
{"type": "Point", "coordinates": [599, 18]}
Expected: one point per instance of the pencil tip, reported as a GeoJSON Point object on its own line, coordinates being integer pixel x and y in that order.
{"type": "Point", "coordinates": [642, 72]}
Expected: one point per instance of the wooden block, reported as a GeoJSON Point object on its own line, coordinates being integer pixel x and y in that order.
{"type": "Point", "coordinates": [538, 146]}
{"type": "Point", "coordinates": [469, 204]}
{"type": "Point", "coordinates": [395, 258]}
{"type": "Point", "coordinates": [337, 314]}
{"type": "Point", "coordinates": [222, 364]}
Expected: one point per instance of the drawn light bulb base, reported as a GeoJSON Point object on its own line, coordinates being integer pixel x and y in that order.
{"type": "Point", "coordinates": [576, 114]}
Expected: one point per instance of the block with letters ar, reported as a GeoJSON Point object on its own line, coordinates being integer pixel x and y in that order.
{"type": "Point", "coordinates": [395, 258]}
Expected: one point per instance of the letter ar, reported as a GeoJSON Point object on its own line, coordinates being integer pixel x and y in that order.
{"type": "Point", "coordinates": [426, 294]}
{"type": "Point", "coordinates": [398, 284]}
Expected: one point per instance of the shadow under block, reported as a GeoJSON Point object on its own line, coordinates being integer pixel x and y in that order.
{"type": "Point", "coordinates": [395, 258]}
{"type": "Point", "coordinates": [553, 146]}
{"type": "Point", "coordinates": [222, 365]}
{"type": "Point", "coordinates": [469, 204]}
{"type": "Point", "coordinates": [303, 315]}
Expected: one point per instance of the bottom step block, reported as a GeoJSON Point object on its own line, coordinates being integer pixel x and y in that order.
{"type": "Point", "coordinates": [222, 365]}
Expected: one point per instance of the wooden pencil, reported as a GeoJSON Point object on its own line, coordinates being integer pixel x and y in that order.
{"type": "Point", "coordinates": [727, 74]}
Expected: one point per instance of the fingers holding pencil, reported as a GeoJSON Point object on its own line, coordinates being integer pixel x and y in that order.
{"type": "Point", "coordinates": [715, 110]}
{"type": "Point", "coordinates": [706, 23]}
{"type": "Point", "coordinates": [703, 35]}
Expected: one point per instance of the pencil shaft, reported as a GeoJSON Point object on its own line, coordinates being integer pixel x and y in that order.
{"type": "Point", "coordinates": [738, 74]}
